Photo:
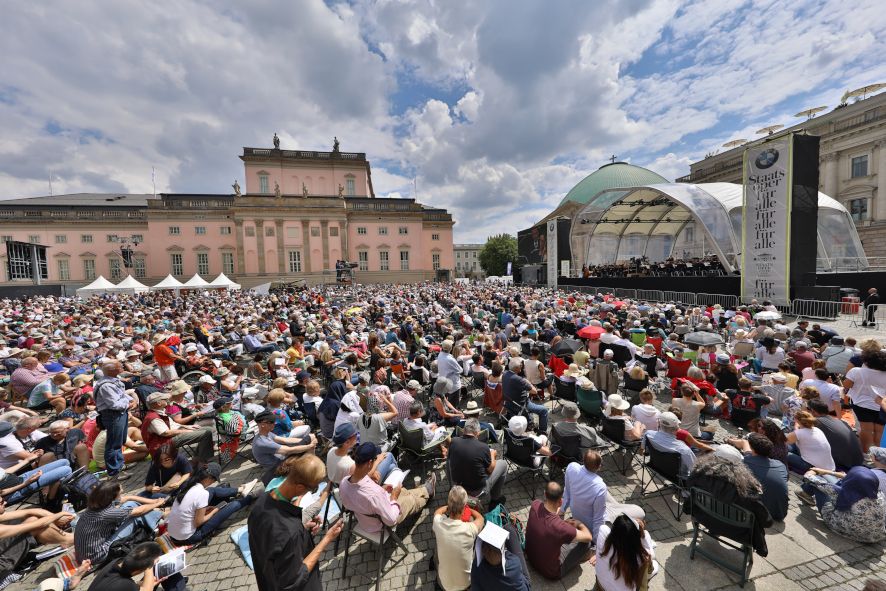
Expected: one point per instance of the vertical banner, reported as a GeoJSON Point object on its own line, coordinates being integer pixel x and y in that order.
{"type": "Point", "coordinates": [509, 268]}
{"type": "Point", "coordinates": [766, 222]}
{"type": "Point", "coordinates": [552, 253]}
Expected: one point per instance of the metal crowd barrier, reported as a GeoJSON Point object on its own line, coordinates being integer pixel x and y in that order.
{"type": "Point", "coordinates": [711, 299]}
{"type": "Point", "coordinates": [623, 292]}
{"type": "Point", "coordinates": [822, 310]}
{"type": "Point", "coordinates": [652, 295]}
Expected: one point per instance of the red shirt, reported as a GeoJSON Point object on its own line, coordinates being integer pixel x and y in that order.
{"type": "Point", "coordinates": [545, 534]}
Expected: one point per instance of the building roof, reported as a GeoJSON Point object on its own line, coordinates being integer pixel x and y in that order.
{"type": "Point", "coordinates": [610, 176]}
{"type": "Point", "coordinates": [83, 200]}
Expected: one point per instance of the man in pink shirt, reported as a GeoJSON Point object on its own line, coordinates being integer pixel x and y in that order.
{"type": "Point", "coordinates": [372, 502]}
{"type": "Point", "coordinates": [27, 376]}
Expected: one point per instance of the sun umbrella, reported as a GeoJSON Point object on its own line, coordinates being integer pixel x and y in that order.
{"type": "Point", "coordinates": [703, 339]}
{"type": "Point", "coordinates": [767, 315]}
{"type": "Point", "coordinates": [566, 347]}
{"type": "Point", "coordinates": [590, 332]}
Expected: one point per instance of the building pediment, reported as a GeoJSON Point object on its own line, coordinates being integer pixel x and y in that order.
{"type": "Point", "coordinates": [175, 248]}
{"type": "Point", "coordinates": [61, 255]}
{"type": "Point", "coordinates": [88, 255]}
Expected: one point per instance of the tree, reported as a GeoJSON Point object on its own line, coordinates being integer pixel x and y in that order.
{"type": "Point", "coordinates": [497, 253]}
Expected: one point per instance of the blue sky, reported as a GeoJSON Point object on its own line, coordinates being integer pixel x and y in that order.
{"type": "Point", "coordinates": [496, 108]}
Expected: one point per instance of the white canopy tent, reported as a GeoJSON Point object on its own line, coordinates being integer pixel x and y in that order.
{"type": "Point", "coordinates": [222, 281]}
{"type": "Point", "coordinates": [130, 285]}
{"type": "Point", "coordinates": [169, 282]}
{"type": "Point", "coordinates": [196, 282]}
{"type": "Point", "coordinates": [99, 286]}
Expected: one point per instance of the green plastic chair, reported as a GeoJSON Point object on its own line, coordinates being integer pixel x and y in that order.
{"type": "Point", "coordinates": [591, 403]}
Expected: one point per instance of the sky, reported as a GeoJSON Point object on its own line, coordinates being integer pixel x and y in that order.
{"type": "Point", "coordinates": [492, 109]}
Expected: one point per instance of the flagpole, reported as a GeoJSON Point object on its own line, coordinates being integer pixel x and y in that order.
{"type": "Point", "coordinates": [153, 184]}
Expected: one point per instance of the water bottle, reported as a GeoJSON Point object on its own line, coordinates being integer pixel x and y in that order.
{"type": "Point", "coordinates": [740, 433]}
{"type": "Point", "coordinates": [67, 507]}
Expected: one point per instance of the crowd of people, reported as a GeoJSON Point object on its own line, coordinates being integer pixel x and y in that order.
{"type": "Point", "coordinates": [335, 393]}
{"type": "Point", "coordinates": [708, 265]}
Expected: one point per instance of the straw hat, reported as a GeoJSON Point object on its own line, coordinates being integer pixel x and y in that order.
{"type": "Point", "coordinates": [178, 387]}
{"type": "Point", "coordinates": [584, 383]}
{"type": "Point", "coordinates": [574, 371]}
{"type": "Point", "coordinates": [83, 379]}
{"type": "Point", "coordinates": [159, 338]}
{"type": "Point", "coordinates": [472, 408]}
{"type": "Point", "coordinates": [617, 402]}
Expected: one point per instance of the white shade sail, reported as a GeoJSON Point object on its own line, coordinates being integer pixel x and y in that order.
{"type": "Point", "coordinates": [222, 281]}
{"type": "Point", "coordinates": [130, 285]}
{"type": "Point", "coordinates": [169, 282]}
{"type": "Point", "coordinates": [99, 286]}
{"type": "Point", "coordinates": [196, 282]}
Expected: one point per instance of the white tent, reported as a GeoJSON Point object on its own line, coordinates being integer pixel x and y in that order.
{"type": "Point", "coordinates": [169, 282]}
{"type": "Point", "coordinates": [99, 286]}
{"type": "Point", "coordinates": [223, 282]}
{"type": "Point", "coordinates": [196, 282]}
{"type": "Point", "coordinates": [130, 285]}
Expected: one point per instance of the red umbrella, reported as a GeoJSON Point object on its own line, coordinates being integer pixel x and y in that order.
{"type": "Point", "coordinates": [590, 332]}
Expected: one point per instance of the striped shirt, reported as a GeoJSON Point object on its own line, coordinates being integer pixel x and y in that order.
{"type": "Point", "coordinates": [92, 536]}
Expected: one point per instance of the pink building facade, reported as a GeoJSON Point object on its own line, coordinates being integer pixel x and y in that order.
{"type": "Point", "coordinates": [299, 212]}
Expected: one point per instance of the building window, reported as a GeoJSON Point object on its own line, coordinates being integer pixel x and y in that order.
{"type": "Point", "coordinates": [34, 238]}
{"type": "Point", "coordinates": [404, 260]}
{"type": "Point", "coordinates": [263, 186]}
{"type": "Point", "coordinates": [200, 230]}
{"type": "Point", "coordinates": [64, 270]}
{"type": "Point", "coordinates": [89, 269]}
{"type": "Point", "coordinates": [114, 265]}
{"type": "Point", "coordinates": [295, 261]}
{"type": "Point", "coordinates": [203, 263]}
{"type": "Point", "coordinates": [361, 230]}
{"type": "Point", "coordinates": [86, 238]}
{"type": "Point", "coordinates": [225, 230]}
{"type": "Point", "coordinates": [404, 230]}
{"type": "Point", "coordinates": [138, 238]}
{"type": "Point", "coordinates": [435, 237]}
{"type": "Point", "coordinates": [333, 230]}
{"type": "Point", "coordinates": [140, 268]}
{"type": "Point", "coordinates": [435, 261]}
{"type": "Point", "coordinates": [269, 230]}
{"type": "Point", "coordinates": [315, 230]}
{"type": "Point", "coordinates": [458, 255]}
{"type": "Point", "coordinates": [250, 231]}
{"type": "Point", "coordinates": [383, 260]}
{"type": "Point", "coordinates": [858, 209]}
{"type": "Point", "coordinates": [382, 230]}
{"type": "Point", "coordinates": [5, 238]}
{"type": "Point", "coordinates": [458, 266]}
{"type": "Point", "coordinates": [228, 263]}
{"type": "Point", "coordinates": [350, 187]}
{"type": "Point", "coordinates": [61, 238]}
{"type": "Point", "coordinates": [175, 231]}
{"type": "Point", "coordinates": [177, 264]}
{"type": "Point", "coordinates": [860, 166]}
{"type": "Point", "coordinates": [363, 259]}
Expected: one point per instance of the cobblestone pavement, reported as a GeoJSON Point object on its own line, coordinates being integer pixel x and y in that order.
{"type": "Point", "coordinates": [803, 553]}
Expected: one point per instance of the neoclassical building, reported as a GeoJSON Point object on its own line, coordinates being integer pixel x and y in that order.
{"type": "Point", "coordinates": [298, 212]}
{"type": "Point", "coordinates": [852, 165]}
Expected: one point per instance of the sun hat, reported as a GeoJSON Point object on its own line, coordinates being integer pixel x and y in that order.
{"type": "Point", "coordinates": [574, 371]}
{"type": "Point", "coordinates": [206, 379]}
{"type": "Point", "coordinates": [584, 383]}
{"type": "Point", "coordinates": [413, 385]}
{"type": "Point", "coordinates": [617, 402]}
{"type": "Point", "coordinates": [177, 387]}
{"type": "Point", "coordinates": [190, 347]}
{"type": "Point", "coordinates": [250, 392]}
{"type": "Point", "coordinates": [157, 396]}
{"type": "Point", "coordinates": [82, 379]}
{"type": "Point", "coordinates": [156, 339]}
{"type": "Point", "coordinates": [472, 408]}
{"type": "Point", "coordinates": [779, 377]}
{"type": "Point", "coordinates": [517, 425]}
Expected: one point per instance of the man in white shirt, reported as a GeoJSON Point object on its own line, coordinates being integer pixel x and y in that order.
{"type": "Point", "coordinates": [448, 367]}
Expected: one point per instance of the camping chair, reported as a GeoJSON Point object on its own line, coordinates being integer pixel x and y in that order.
{"type": "Point", "coordinates": [233, 446]}
{"type": "Point", "coordinates": [621, 355]}
{"type": "Point", "coordinates": [591, 404]}
{"type": "Point", "coordinates": [614, 431]}
{"type": "Point", "coordinates": [375, 539]}
{"type": "Point", "coordinates": [568, 450]}
{"type": "Point", "coordinates": [525, 349]}
{"type": "Point", "coordinates": [742, 349]}
{"type": "Point", "coordinates": [563, 391]}
{"type": "Point", "coordinates": [664, 472]}
{"type": "Point", "coordinates": [413, 448]}
{"type": "Point", "coordinates": [519, 454]}
{"type": "Point", "coordinates": [311, 415]}
{"type": "Point", "coordinates": [709, 513]}
{"type": "Point", "coordinates": [478, 383]}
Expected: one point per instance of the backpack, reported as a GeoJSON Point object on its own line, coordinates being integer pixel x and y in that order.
{"type": "Point", "coordinates": [77, 487]}
{"type": "Point", "coordinates": [502, 518]}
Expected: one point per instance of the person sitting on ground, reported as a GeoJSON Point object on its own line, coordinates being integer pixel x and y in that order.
{"type": "Point", "coordinates": [375, 505]}
{"type": "Point", "coordinates": [169, 468]}
{"type": "Point", "coordinates": [646, 412]}
{"type": "Point", "coordinates": [269, 449]}
{"type": "Point", "coordinates": [853, 506]}
{"type": "Point", "coordinates": [616, 407]}
{"type": "Point", "coordinates": [845, 445]}
{"type": "Point", "coordinates": [570, 426]}
{"type": "Point", "coordinates": [724, 475]}
{"type": "Point", "coordinates": [554, 546]}
{"type": "Point", "coordinates": [194, 514]}
{"type": "Point", "coordinates": [809, 446]}
{"type": "Point", "coordinates": [588, 497]}
{"type": "Point", "coordinates": [23, 530]}
{"type": "Point", "coordinates": [456, 527]}
{"type": "Point", "coordinates": [109, 517]}
{"type": "Point", "coordinates": [624, 555]}
{"type": "Point", "coordinates": [665, 439]}
{"type": "Point", "coordinates": [770, 473]}
{"type": "Point", "coordinates": [474, 465]}
{"type": "Point", "coordinates": [119, 574]}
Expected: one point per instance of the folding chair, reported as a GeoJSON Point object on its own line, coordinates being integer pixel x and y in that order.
{"type": "Point", "coordinates": [519, 454]}
{"type": "Point", "coordinates": [568, 450]}
{"type": "Point", "coordinates": [614, 431]}
{"type": "Point", "coordinates": [413, 448]}
{"type": "Point", "coordinates": [710, 514]}
{"type": "Point", "coordinates": [664, 471]}
{"type": "Point", "coordinates": [478, 383]}
{"type": "Point", "coordinates": [563, 391]}
{"type": "Point", "coordinates": [376, 539]}
{"type": "Point", "coordinates": [591, 404]}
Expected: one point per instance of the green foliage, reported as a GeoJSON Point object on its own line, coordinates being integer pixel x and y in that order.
{"type": "Point", "coordinates": [496, 253]}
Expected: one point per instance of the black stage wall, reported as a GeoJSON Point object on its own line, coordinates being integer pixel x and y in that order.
{"type": "Point", "coordinates": [31, 290]}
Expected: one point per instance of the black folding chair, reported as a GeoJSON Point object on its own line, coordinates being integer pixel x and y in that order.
{"type": "Point", "coordinates": [413, 449]}
{"type": "Point", "coordinates": [614, 431]}
{"type": "Point", "coordinates": [376, 539]}
{"type": "Point", "coordinates": [710, 514]}
{"type": "Point", "coordinates": [568, 450]}
{"type": "Point", "coordinates": [563, 391]}
{"type": "Point", "coordinates": [519, 454]}
{"type": "Point", "coordinates": [664, 472]}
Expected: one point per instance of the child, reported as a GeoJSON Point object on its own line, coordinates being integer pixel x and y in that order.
{"type": "Point", "coordinates": [645, 412]}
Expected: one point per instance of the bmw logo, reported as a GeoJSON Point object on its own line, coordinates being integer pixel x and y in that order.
{"type": "Point", "coordinates": [766, 158]}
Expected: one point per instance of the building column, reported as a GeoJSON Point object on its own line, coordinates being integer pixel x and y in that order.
{"type": "Point", "coordinates": [241, 253]}
{"type": "Point", "coordinates": [343, 239]}
{"type": "Point", "coordinates": [831, 175]}
{"type": "Point", "coordinates": [281, 258]}
{"type": "Point", "coordinates": [324, 236]}
{"type": "Point", "coordinates": [306, 244]}
{"type": "Point", "coordinates": [260, 245]}
{"type": "Point", "coordinates": [879, 205]}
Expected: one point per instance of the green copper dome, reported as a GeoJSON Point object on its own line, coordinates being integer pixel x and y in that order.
{"type": "Point", "coordinates": [611, 176]}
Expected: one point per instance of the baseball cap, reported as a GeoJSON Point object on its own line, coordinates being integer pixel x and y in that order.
{"type": "Point", "coordinates": [729, 453]}
{"type": "Point", "coordinates": [413, 385]}
{"type": "Point", "coordinates": [221, 402]}
{"type": "Point", "coordinates": [214, 470]}
{"type": "Point", "coordinates": [303, 375]}
{"type": "Point", "coordinates": [265, 417]}
{"type": "Point", "coordinates": [668, 419]}
{"type": "Point", "coordinates": [343, 432]}
{"type": "Point", "coordinates": [157, 396]}
{"type": "Point", "coordinates": [366, 452]}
